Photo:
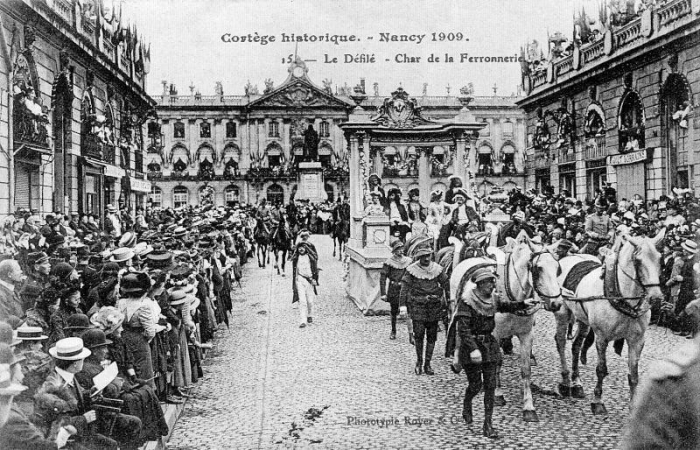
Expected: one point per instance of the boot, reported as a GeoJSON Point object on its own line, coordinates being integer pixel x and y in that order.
{"type": "Point", "coordinates": [419, 356]}
{"type": "Point", "coordinates": [489, 432]}
{"type": "Point", "coordinates": [467, 411]}
{"type": "Point", "coordinates": [429, 347]}
{"type": "Point", "coordinates": [393, 327]}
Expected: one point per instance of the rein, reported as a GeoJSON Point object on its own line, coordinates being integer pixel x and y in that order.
{"type": "Point", "coordinates": [536, 256]}
{"type": "Point", "coordinates": [509, 291]}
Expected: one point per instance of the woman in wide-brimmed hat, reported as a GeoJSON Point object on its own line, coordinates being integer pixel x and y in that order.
{"type": "Point", "coordinates": [139, 321]}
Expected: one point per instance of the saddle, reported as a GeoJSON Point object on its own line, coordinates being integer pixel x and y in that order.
{"type": "Point", "coordinates": [577, 272]}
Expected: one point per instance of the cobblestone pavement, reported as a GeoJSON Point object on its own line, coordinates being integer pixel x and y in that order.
{"type": "Point", "coordinates": [270, 384]}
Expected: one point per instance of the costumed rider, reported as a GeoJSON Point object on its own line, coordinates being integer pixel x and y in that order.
{"type": "Point", "coordinates": [423, 289]}
{"type": "Point", "coordinates": [393, 271]}
{"type": "Point", "coordinates": [598, 229]}
{"type": "Point", "coordinates": [463, 214]}
{"type": "Point", "coordinates": [477, 350]}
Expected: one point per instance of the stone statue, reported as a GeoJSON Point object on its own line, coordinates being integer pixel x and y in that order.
{"type": "Point", "coordinates": [269, 86]}
{"type": "Point", "coordinates": [327, 85]}
{"type": "Point", "coordinates": [311, 141]}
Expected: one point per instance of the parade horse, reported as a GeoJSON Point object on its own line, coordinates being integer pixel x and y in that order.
{"type": "Point", "coordinates": [261, 234]}
{"type": "Point", "coordinates": [282, 242]}
{"type": "Point", "coordinates": [616, 308]}
{"type": "Point", "coordinates": [527, 270]}
{"type": "Point", "coordinates": [341, 234]}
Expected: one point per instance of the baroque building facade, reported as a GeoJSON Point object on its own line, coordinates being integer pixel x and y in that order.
{"type": "Point", "coordinates": [243, 148]}
{"type": "Point", "coordinates": [615, 104]}
{"type": "Point", "coordinates": [74, 105]}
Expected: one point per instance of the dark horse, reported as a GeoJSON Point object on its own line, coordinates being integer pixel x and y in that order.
{"type": "Point", "coordinates": [261, 235]}
{"type": "Point", "coordinates": [282, 241]}
{"type": "Point", "coordinates": [341, 234]}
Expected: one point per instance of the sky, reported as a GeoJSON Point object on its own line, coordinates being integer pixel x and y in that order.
{"type": "Point", "coordinates": [188, 48]}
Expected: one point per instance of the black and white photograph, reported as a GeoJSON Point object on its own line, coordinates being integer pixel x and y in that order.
{"type": "Point", "coordinates": [349, 224]}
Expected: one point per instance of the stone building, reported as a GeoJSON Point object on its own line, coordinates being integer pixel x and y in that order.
{"type": "Point", "coordinates": [616, 104]}
{"type": "Point", "coordinates": [242, 148]}
{"type": "Point", "coordinates": [73, 107]}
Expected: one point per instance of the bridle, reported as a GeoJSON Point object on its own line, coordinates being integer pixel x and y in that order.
{"type": "Point", "coordinates": [535, 271]}
{"type": "Point", "coordinates": [636, 263]}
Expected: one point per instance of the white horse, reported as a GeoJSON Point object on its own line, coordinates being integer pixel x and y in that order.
{"type": "Point", "coordinates": [624, 315]}
{"type": "Point", "coordinates": [518, 284]}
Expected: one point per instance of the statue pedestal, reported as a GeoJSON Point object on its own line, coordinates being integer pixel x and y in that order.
{"type": "Point", "coordinates": [366, 259]}
{"type": "Point", "coordinates": [310, 182]}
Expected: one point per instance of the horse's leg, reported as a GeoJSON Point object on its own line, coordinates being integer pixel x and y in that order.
{"type": "Point", "coordinates": [529, 413]}
{"type": "Point", "coordinates": [334, 246]}
{"type": "Point", "coordinates": [341, 249]}
{"type": "Point", "coordinates": [577, 387]}
{"type": "Point", "coordinates": [268, 250]}
{"type": "Point", "coordinates": [257, 254]}
{"type": "Point", "coordinates": [601, 371]}
{"type": "Point", "coordinates": [634, 351]}
{"type": "Point", "coordinates": [284, 259]}
{"type": "Point", "coordinates": [277, 266]}
{"type": "Point", "coordinates": [562, 318]}
{"type": "Point", "coordinates": [499, 398]}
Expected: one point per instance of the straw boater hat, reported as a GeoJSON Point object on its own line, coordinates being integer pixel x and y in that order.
{"type": "Point", "coordinates": [122, 254]}
{"type": "Point", "coordinates": [690, 246]}
{"type": "Point", "coordinates": [69, 349]}
{"type": "Point", "coordinates": [128, 239]}
{"type": "Point", "coordinates": [27, 333]}
{"type": "Point", "coordinates": [142, 249]}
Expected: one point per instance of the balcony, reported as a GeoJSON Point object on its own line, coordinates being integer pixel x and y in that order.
{"type": "Point", "coordinates": [335, 173]}
{"type": "Point", "coordinates": [594, 148]}
{"type": "Point", "coordinates": [93, 147]}
{"type": "Point", "coordinates": [155, 175]}
{"type": "Point", "coordinates": [267, 173]}
{"type": "Point", "coordinates": [567, 154]}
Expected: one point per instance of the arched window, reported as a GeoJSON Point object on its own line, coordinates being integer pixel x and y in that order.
{"type": "Point", "coordinates": [484, 163]}
{"type": "Point", "coordinates": [631, 123]}
{"type": "Point", "coordinates": [231, 195]}
{"type": "Point", "coordinates": [205, 130]}
{"type": "Point", "coordinates": [508, 156]}
{"type": "Point", "coordinates": [325, 154]}
{"type": "Point", "coordinates": [181, 196]}
{"type": "Point", "coordinates": [325, 129]}
{"type": "Point", "coordinates": [153, 166]}
{"type": "Point", "coordinates": [207, 195]}
{"type": "Point", "coordinates": [206, 170]}
{"type": "Point", "coordinates": [275, 194]}
{"type": "Point", "coordinates": [156, 197]}
{"type": "Point", "coordinates": [275, 155]}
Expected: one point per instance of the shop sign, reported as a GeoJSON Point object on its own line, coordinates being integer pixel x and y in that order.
{"type": "Point", "coordinates": [629, 158]}
{"type": "Point", "coordinates": [113, 171]}
{"type": "Point", "coordinates": [140, 185]}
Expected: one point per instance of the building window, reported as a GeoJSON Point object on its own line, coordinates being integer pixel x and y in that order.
{"type": "Point", "coordinates": [180, 197]}
{"type": "Point", "coordinates": [485, 167]}
{"type": "Point", "coordinates": [325, 129]}
{"type": "Point", "coordinates": [205, 130]}
{"type": "Point", "coordinates": [275, 194]}
{"type": "Point", "coordinates": [508, 129]}
{"type": "Point", "coordinates": [179, 130]}
{"type": "Point", "coordinates": [230, 130]}
{"type": "Point", "coordinates": [486, 130]}
{"type": "Point", "coordinates": [156, 197]}
{"type": "Point", "coordinates": [273, 161]}
{"type": "Point", "coordinates": [274, 129]}
{"type": "Point", "coordinates": [231, 195]}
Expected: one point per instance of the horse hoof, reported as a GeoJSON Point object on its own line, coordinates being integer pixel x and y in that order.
{"type": "Point", "coordinates": [584, 359]}
{"type": "Point", "coordinates": [564, 390]}
{"type": "Point", "coordinates": [598, 409]}
{"type": "Point", "coordinates": [499, 400]}
{"type": "Point", "coordinates": [577, 392]}
{"type": "Point", "coordinates": [530, 416]}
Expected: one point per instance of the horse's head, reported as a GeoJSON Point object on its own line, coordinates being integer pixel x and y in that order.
{"type": "Point", "coordinates": [545, 270]}
{"type": "Point", "coordinates": [519, 261]}
{"type": "Point", "coordinates": [643, 255]}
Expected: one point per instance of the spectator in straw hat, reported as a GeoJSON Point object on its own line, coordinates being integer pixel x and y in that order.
{"type": "Point", "coordinates": [62, 387]}
{"type": "Point", "coordinates": [36, 363]}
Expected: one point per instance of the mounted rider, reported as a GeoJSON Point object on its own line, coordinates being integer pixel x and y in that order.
{"type": "Point", "coordinates": [463, 215]}
{"type": "Point", "coordinates": [598, 228]}
{"type": "Point", "coordinates": [264, 213]}
{"type": "Point", "coordinates": [513, 229]}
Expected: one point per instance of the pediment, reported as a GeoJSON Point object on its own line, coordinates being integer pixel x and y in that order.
{"type": "Point", "coordinates": [298, 93]}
